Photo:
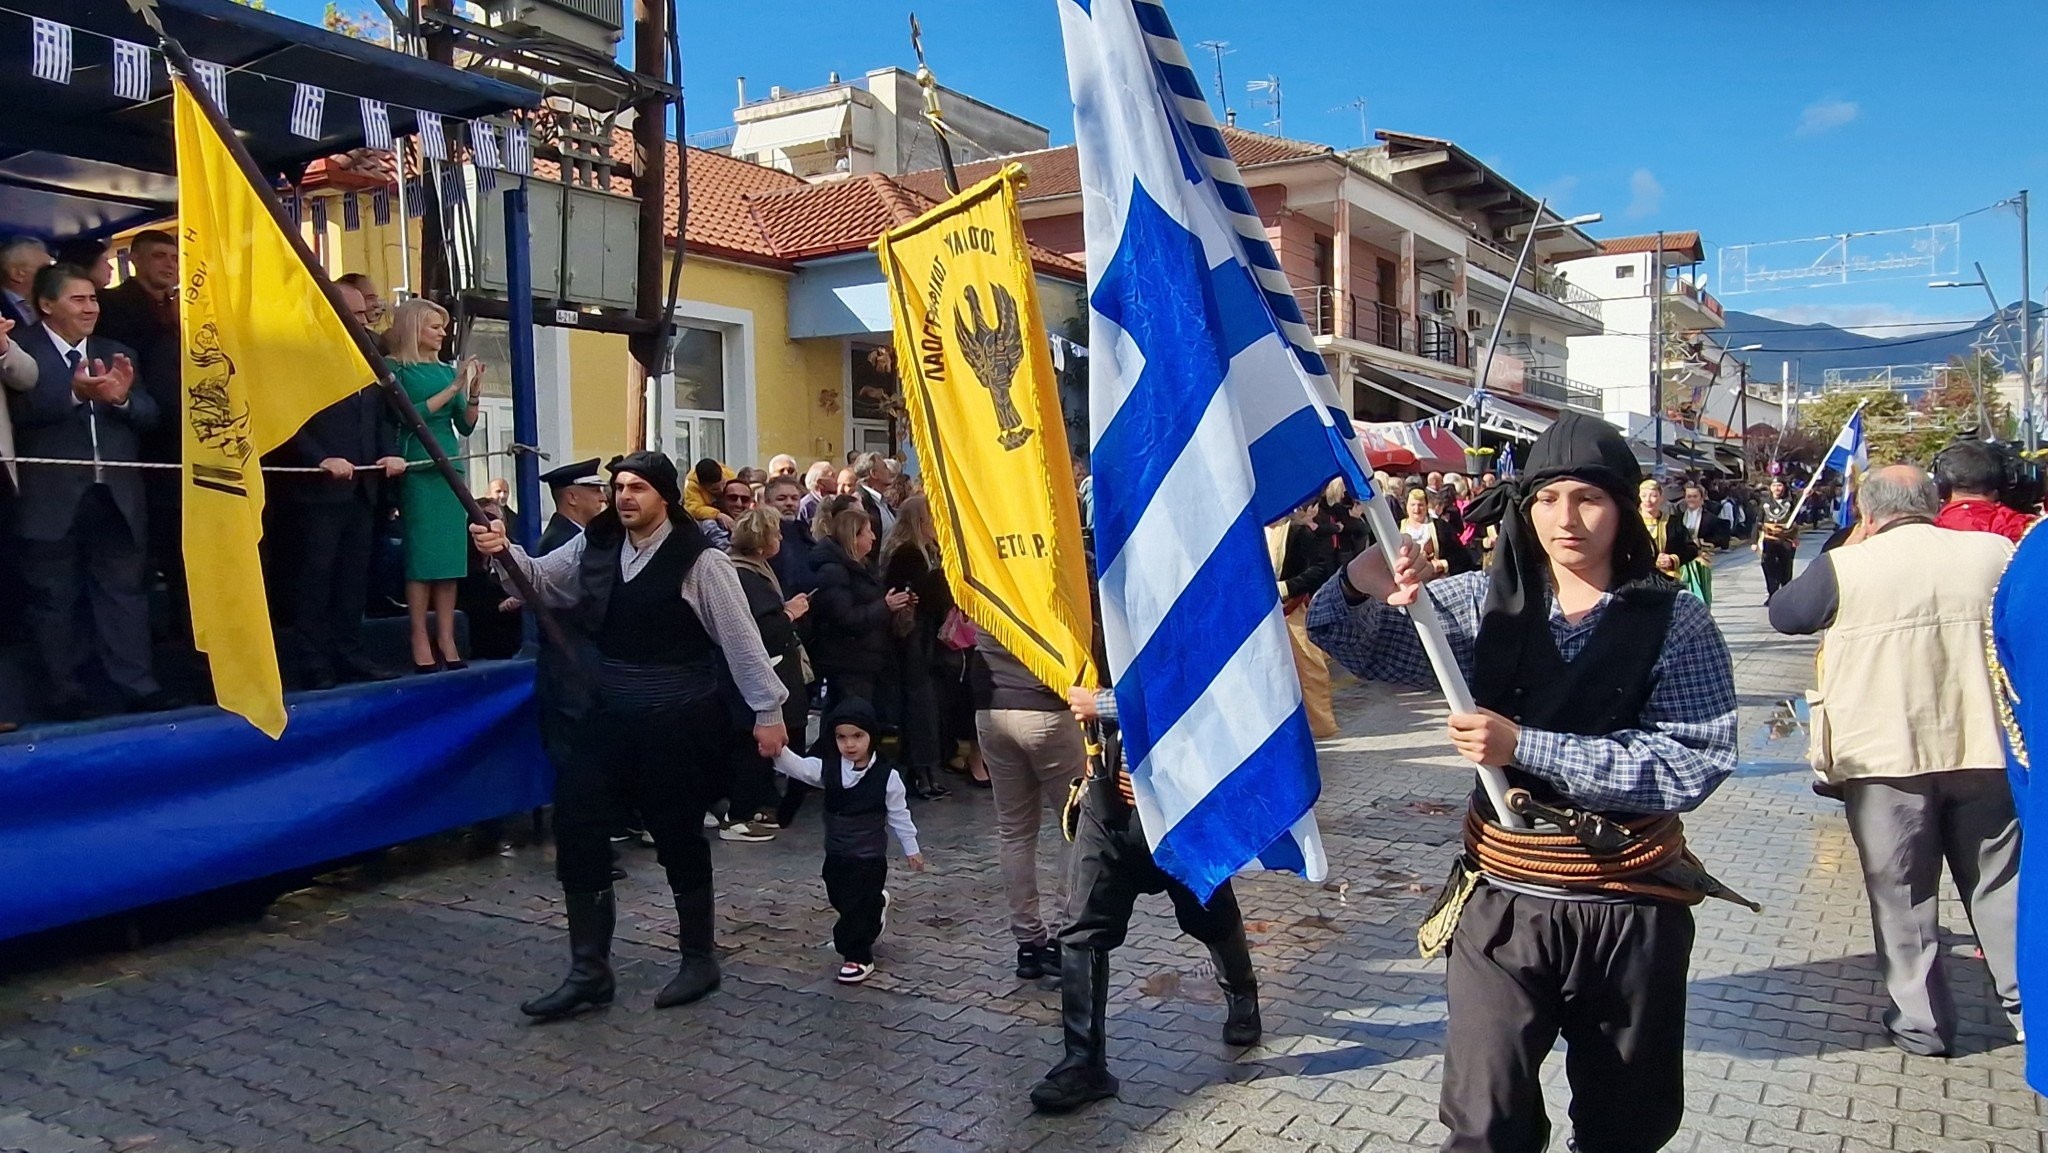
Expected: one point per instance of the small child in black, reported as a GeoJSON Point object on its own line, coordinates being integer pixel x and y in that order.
{"type": "Point", "coordinates": [865, 801]}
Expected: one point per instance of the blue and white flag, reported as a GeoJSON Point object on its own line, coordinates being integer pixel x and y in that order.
{"type": "Point", "coordinates": [432, 141]}
{"type": "Point", "coordinates": [1849, 456]}
{"type": "Point", "coordinates": [309, 107]}
{"type": "Point", "coordinates": [214, 78]}
{"type": "Point", "coordinates": [50, 57]}
{"type": "Point", "coordinates": [376, 123]}
{"type": "Point", "coordinates": [1212, 416]}
{"type": "Point", "coordinates": [1505, 470]}
{"type": "Point", "coordinates": [131, 71]}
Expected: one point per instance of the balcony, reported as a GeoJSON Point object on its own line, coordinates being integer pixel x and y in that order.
{"type": "Point", "coordinates": [1549, 384]}
{"type": "Point", "coordinates": [1488, 270]}
{"type": "Point", "coordinates": [1686, 296]}
{"type": "Point", "coordinates": [1346, 316]}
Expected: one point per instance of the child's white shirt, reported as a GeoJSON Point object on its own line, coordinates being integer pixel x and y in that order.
{"type": "Point", "coordinates": [810, 771]}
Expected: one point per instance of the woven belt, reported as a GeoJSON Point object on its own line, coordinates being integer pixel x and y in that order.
{"type": "Point", "coordinates": [1655, 862]}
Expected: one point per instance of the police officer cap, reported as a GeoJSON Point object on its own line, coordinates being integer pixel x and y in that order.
{"type": "Point", "coordinates": [577, 472]}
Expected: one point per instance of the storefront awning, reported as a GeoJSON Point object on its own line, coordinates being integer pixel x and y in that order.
{"type": "Point", "coordinates": [818, 126]}
{"type": "Point", "coordinates": [1441, 396]}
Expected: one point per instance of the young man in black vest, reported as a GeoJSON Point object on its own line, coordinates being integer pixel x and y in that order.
{"type": "Point", "coordinates": [637, 711]}
{"type": "Point", "coordinates": [1601, 692]}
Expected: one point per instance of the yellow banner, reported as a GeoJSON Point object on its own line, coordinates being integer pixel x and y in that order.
{"type": "Point", "coordinates": [978, 384]}
{"type": "Point", "coordinates": [263, 352]}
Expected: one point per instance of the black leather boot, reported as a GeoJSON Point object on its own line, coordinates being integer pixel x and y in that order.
{"type": "Point", "coordinates": [591, 917]}
{"type": "Point", "coordinates": [1083, 1074]}
{"type": "Point", "coordinates": [1233, 957]}
{"type": "Point", "coordinates": [699, 975]}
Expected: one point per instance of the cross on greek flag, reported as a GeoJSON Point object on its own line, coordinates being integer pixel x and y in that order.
{"type": "Point", "coordinates": [376, 124]}
{"type": "Point", "coordinates": [518, 150]}
{"type": "Point", "coordinates": [432, 142]}
{"type": "Point", "coordinates": [52, 51]}
{"type": "Point", "coordinates": [351, 213]}
{"type": "Point", "coordinates": [214, 78]}
{"type": "Point", "coordinates": [131, 71]}
{"type": "Point", "coordinates": [483, 144]}
{"type": "Point", "coordinates": [309, 102]}
{"type": "Point", "coordinates": [380, 206]}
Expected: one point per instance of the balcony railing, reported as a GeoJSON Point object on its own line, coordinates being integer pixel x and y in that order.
{"type": "Point", "coordinates": [1550, 384]}
{"type": "Point", "coordinates": [1679, 289]}
{"type": "Point", "coordinates": [1556, 287]}
{"type": "Point", "coordinates": [1352, 317]}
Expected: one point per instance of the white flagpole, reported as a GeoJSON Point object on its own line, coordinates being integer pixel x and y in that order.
{"type": "Point", "coordinates": [1808, 490]}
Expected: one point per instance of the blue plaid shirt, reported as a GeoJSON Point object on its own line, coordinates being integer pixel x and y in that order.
{"type": "Point", "coordinates": [1681, 752]}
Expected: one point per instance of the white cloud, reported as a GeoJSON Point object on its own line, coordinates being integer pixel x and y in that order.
{"type": "Point", "coordinates": [1826, 115]}
{"type": "Point", "coordinates": [1868, 319]}
{"type": "Point", "coordinates": [1645, 195]}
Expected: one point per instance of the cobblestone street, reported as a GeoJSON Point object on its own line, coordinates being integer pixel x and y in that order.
{"type": "Point", "coordinates": [376, 1010]}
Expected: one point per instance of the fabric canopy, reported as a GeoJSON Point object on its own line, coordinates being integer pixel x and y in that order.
{"type": "Point", "coordinates": [86, 162]}
{"type": "Point", "coordinates": [1443, 396]}
{"type": "Point", "coordinates": [1427, 447]}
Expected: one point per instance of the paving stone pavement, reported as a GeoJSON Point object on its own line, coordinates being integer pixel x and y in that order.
{"type": "Point", "coordinates": [375, 1011]}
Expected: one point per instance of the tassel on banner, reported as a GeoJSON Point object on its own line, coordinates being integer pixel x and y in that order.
{"type": "Point", "coordinates": [376, 124]}
{"type": "Point", "coordinates": [131, 71]}
{"type": "Point", "coordinates": [52, 51]}
{"type": "Point", "coordinates": [309, 104]}
{"type": "Point", "coordinates": [432, 141]}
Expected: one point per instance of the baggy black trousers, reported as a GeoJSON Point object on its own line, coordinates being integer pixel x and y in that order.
{"type": "Point", "coordinates": [1111, 865]}
{"type": "Point", "coordinates": [1609, 977]}
{"type": "Point", "coordinates": [666, 765]}
{"type": "Point", "coordinates": [854, 886]}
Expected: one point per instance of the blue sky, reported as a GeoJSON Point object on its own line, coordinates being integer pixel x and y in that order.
{"type": "Point", "coordinates": [1750, 120]}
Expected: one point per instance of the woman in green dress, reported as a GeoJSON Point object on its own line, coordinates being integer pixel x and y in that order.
{"type": "Point", "coordinates": [436, 527]}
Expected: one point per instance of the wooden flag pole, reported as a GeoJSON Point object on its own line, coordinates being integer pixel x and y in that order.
{"type": "Point", "coordinates": [408, 413]}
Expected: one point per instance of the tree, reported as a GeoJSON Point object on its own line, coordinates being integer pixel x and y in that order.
{"type": "Point", "coordinates": [356, 23]}
{"type": "Point", "coordinates": [1952, 402]}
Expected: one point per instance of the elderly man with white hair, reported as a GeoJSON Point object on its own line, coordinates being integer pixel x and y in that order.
{"type": "Point", "coordinates": [781, 464]}
{"type": "Point", "coordinates": [1906, 723]}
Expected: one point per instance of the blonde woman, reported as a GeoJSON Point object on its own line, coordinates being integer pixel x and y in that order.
{"type": "Point", "coordinates": [436, 528]}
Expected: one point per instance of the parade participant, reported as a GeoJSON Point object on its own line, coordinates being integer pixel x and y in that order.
{"type": "Point", "coordinates": [1601, 691]}
{"type": "Point", "coordinates": [578, 490]}
{"type": "Point", "coordinates": [864, 801]}
{"type": "Point", "coordinates": [633, 712]}
{"type": "Point", "coordinates": [1707, 533]}
{"type": "Point", "coordinates": [1675, 547]}
{"type": "Point", "coordinates": [1111, 864]}
{"type": "Point", "coordinates": [1777, 539]}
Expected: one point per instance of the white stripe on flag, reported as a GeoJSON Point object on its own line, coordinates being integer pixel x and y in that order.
{"type": "Point", "coordinates": [483, 143]}
{"type": "Point", "coordinates": [52, 45]}
{"type": "Point", "coordinates": [376, 124]}
{"type": "Point", "coordinates": [309, 103]}
{"type": "Point", "coordinates": [518, 149]}
{"type": "Point", "coordinates": [131, 71]}
{"type": "Point", "coordinates": [214, 78]}
{"type": "Point", "coordinates": [432, 141]}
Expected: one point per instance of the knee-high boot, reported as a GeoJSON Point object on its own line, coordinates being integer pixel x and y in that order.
{"type": "Point", "coordinates": [1233, 957]}
{"type": "Point", "coordinates": [591, 918]}
{"type": "Point", "coordinates": [695, 935]}
{"type": "Point", "coordinates": [1083, 1073]}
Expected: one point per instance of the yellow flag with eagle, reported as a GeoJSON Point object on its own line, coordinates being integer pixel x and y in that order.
{"type": "Point", "coordinates": [978, 385]}
{"type": "Point", "coordinates": [263, 351]}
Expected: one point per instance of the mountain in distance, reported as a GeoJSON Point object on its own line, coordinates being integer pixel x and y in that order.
{"type": "Point", "coordinates": [1818, 347]}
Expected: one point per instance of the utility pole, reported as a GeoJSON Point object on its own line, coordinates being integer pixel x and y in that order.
{"type": "Point", "coordinates": [2027, 407]}
{"type": "Point", "coordinates": [1657, 361]}
{"type": "Point", "coordinates": [649, 347]}
{"type": "Point", "coordinates": [1784, 407]}
{"type": "Point", "coordinates": [1220, 48]}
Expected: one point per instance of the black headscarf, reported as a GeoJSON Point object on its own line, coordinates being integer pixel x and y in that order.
{"type": "Point", "coordinates": [660, 474]}
{"type": "Point", "coordinates": [1517, 605]}
{"type": "Point", "coordinates": [850, 711]}
{"type": "Point", "coordinates": [653, 467]}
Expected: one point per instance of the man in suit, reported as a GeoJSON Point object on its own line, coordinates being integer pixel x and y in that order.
{"type": "Point", "coordinates": [83, 527]}
{"type": "Point", "coordinates": [20, 259]}
{"type": "Point", "coordinates": [326, 524]}
{"type": "Point", "coordinates": [579, 492]}
{"type": "Point", "coordinates": [142, 313]}
{"type": "Point", "coordinates": [875, 475]}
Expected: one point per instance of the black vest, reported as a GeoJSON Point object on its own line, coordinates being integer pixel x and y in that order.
{"type": "Point", "coordinates": [644, 621]}
{"type": "Point", "coordinates": [1602, 690]}
{"type": "Point", "coordinates": [857, 818]}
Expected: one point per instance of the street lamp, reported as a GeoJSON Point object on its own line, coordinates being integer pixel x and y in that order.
{"type": "Point", "coordinates": [1536, 226]}
{"type": "Point", "coordinates": [1741, 405]}
{"type": "Point", "coordinates": [1983, 282]}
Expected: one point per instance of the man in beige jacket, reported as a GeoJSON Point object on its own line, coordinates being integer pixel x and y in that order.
{"type": "Point", "coordinates": [1905, 721]}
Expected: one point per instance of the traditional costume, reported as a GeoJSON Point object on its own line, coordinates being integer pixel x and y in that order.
{"type": "Point", "coordinates": [1628, 717]}
{"type": "Point", "coordinates": [2019, 636]}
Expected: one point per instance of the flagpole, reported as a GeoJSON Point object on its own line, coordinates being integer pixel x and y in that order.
{"type": "Point", "coordinates": [408, 413]}
{"type": "Point", "coordinates": [1808, 490]}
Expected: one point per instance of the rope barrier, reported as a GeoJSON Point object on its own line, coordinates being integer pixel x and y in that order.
{"type": "Point", "coordinates": [511, 450]}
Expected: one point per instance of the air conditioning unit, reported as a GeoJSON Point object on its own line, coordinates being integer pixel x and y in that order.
{"type": "Point", "coordinates": [592, 24]}
{"type": "Point", "coordinates": [1472, 320]}
{"type": "Point", "coordinates": [1442, 300]}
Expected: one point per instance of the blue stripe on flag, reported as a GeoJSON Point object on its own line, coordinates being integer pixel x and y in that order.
{"type": "Point", "coordinates": [1209, 140]}
{"type": "Point", "coordinates": [1287, 477]}
{"type": "Point", "coordinates": [1284, 854]}
{"type": "Point", "coordinates": [1152, 19]}
{"type": "Point", "coordinates": [1267, 788]}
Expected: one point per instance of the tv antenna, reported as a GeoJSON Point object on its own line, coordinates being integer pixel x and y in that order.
{"type": "Point", "coordinates": [1271, 87]}
{"type": "Point", "coordinates": [1220, 48]}
{"type": "Point", "coordinates": [1364, 136]}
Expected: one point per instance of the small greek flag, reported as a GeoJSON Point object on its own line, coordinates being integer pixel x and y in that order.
{"type": "Point", "coordinates": [483, 144]}
{"type": "Point", "coordinates": [1849, 456]}
{"type": "Point", "coordinates": [376, 124]}
{"type": "Point", "coordinates": [518, 149]}
{"type": "Point", "coordinates": [131, 71]}
{"type": "Point", "coordinates": [451, 188]}
{"type": "Point", "coordinates": [431, 140]}
{"type": "Point", "coordinates": [214, 78]}
{"type": "Point", "coordinates": [288, 198]}
{"type": "Point", "coordinates": [486, 179]}
{"type": "Point", "coordinates": [416, 198]}
{"type": "Point", "coordinates": [380, 206]}
{"type": "Point", "coordinates": [1506, 469]}
{"type": "Point", "coordinates": [52, 51]}
{"type": "Point", "coordinates": [351, 213]}
{"type": "Point", "coordinates": [319, 208]}
{"type": "Point", "coordinates": [309, 104]}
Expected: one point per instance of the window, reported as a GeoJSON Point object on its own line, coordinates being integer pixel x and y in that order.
{"type": "Point", "coordinates": [697, 397]}
{"type": "Point", "coordinates": [1624, 272]}
{"type": "Point", "coordinates": [876, 411]}
{"type": "Point", "coordinates": [490, 341]}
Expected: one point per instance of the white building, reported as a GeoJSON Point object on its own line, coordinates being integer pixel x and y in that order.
{"type": "Point", "coordinates": [875, 124]}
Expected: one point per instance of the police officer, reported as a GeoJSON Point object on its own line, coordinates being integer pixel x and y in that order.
{"type": "Point", "coordinates": [578, 489]}
{"type": "Point", "coordinates": [633, 713]}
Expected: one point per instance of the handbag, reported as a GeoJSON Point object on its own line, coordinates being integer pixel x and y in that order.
{"type": "Point", "coordinates": [956, 632]}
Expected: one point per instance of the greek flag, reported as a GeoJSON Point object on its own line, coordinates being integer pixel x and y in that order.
{"type": "Point", "coordinates": [214, 78]}
{"type": "Point", "coordinates": [518, 149]}
{"type": "Point", "coordinates": [309, 103]}
{"type": "Point", "coordinates": [483, 144]}
{"type": "Point", "coordinates": [351, 212]}
{"type": "Point", "coordinates": [376, 123]}
{"type": "Point", "coordinates": [1506, 469]}
{"type": "Point", "coordinates": [131, 71]}
{"type": "Point", "coordinates": [52, 51]}
{"type": "Point", "coordinates": [1212, 416]}
{"type": "Point", "coordinates": [431, 141]}
{"type": "Point", "coordinates": [380, 205]}
{"type": "Point", "coordinates": [1849, 456]}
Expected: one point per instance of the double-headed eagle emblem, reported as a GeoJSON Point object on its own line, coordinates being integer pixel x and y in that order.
{"type": "Point", "coordinates": [995, 352]}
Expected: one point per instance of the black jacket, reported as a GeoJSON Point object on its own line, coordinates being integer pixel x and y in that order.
{"type": "Point", "coordinates": [130, 317]}
{"type": "Point", "coordinates": [1308, 561]}
{"type": "Point", "coordinates": [49, 422]}
{"type": "Point", "coordinates": [779, 634]}
{"type": "Point", "coordinates": [358, 428]}
{"type": "Point", "coordinates": [793, 564]}
{"type": "Point", "coordinates": [851, 635]}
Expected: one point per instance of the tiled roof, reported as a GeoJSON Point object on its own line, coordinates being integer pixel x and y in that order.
{"type": "Point", "coordinates": [847, 215]}
{"type": "Point", "coordinates": [1056, 172]}
{"type": "Point", "coordinates": [1679, 243]}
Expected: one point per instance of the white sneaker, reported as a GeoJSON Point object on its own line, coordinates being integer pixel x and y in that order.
{"type": "Point", "coordinates": [854, 972]}
{"type": "Point", "coordinates": [741, 831]}
{"type": "Point", "coordinates": [710, 821]}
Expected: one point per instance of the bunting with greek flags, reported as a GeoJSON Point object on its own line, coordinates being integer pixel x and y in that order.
{"type": "Point", "coordinates": [50, 56]}
{"type": "Point", "coordinates": [309, 106]}
{"type": "Point", "coordinates": [376, 123]}
{"type": "Point", "coordinates": [1212, 416]}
